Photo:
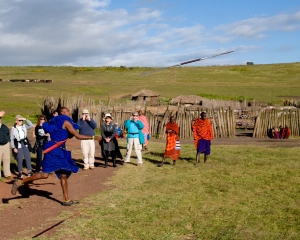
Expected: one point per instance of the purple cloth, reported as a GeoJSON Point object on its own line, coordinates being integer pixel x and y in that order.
{"type": "Point", "coordinates": [277, 135]}
{"type": "Point", "coordinates": [203, 146]}
{"type": "Point", "coordinates": [58, 160]}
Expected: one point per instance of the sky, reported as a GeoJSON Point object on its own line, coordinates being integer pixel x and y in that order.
{"type": "Point", "coordinates": [150, 33]}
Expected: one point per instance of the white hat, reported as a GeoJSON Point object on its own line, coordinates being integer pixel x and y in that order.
{"type": "Point", "coordinates": [19, 117]}
{"type": "Point", "coordinates": [85, 111]}
{"type": "Point", "coordinates": [107, 115]}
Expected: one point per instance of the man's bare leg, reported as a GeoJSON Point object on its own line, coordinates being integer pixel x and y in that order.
{"type": "Point", "coordinates": [162, 162]}
{"type": "Point", "coordinates": [37, 176]}
{"type": "Point", "coordinates": [17, 183]}
{"type": "Point", "coordinates": [205, 158]}
{"type": "Point", "coordinates": [197, 159]}
{"type": "Point", "coordinates": [64, 187]}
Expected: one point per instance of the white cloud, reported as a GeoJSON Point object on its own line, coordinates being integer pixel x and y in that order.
{"type": "Point", "coordinates": [86, 32]}
{"type": "Point", "coordinates": [95, 3]}
{"type": "Point", "coordinates": [258, 27]}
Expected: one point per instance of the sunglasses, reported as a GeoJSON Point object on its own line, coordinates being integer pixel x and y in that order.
{"type": "Point", "coordinates": [135, 115]}
{"type": "Point", "coordinates": [42, 119]}
{"type": "Point", "coordinates": [20, 120]}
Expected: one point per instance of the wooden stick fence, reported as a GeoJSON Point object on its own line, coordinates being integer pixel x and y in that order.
{"type": "Point", "coordinates": [223, 120]}
{"type": "Point", "coordinates": [270, 118]}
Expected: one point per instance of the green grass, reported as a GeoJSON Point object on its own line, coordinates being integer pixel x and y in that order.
{"type": "Point", "coordinates": [265, 83]}
{"type": "Point", "coordinates": [240, 193]}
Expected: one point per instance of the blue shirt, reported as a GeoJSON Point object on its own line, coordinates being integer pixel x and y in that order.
{"type": "Point", "coordinates": [87, 127]}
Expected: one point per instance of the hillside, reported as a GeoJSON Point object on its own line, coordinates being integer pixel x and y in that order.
{"type": "Point", "coordinates": [267, 83]}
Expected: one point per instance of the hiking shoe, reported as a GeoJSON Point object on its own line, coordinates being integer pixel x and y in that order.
{"type": "Point", "coordinates": [19, 176]}
{"type": "Point", "coordinates": [92, 167]}
{"type": "Point", "coordinates": [85, 168]}
{"type": "Point", "coordinates": [139, 164]}
{"type": "Point", "coordinates": [69, 203]}
{"type": "Point", "coordinates": [29, 174]}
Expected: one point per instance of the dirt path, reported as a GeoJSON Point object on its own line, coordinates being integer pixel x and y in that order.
{"type": "Point", "coordinates": [38, 206]}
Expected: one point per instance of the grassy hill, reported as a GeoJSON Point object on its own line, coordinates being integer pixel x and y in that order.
{"type": "Point", "coordinates": [266, 83]}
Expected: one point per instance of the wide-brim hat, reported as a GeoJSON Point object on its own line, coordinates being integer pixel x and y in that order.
{"type": "Point", "coordinates": [19, 117]}
{"type": "Point", "coordinates": [107, 115]}
{"type": "Point", "coordinates": [85, 111]}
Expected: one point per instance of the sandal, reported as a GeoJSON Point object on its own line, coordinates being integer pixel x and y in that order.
{"type": "Point", "coordinates": [15, 186]}
{"type": "Point", "coordinates": [69, 203]}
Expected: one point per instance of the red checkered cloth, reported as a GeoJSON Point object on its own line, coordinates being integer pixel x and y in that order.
{"type": "Point", "coordinates": [171, 141]}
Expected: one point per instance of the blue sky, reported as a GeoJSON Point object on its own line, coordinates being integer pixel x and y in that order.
{"type": "Point", "coordinates": [154, 33]}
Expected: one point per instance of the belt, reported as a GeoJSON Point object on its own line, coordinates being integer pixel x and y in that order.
{"type": "Point", "coordinates": [133, 133]}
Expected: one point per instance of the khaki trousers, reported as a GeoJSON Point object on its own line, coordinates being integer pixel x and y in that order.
{"type": "Point", "coordinates": [137, 147]}
{"type": "Point", "coordinates": [88, 152]}
{"type": "Point", "coordinates": [5, 158]}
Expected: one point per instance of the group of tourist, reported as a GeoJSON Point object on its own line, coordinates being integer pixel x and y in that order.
{"type": "Point", "coordinates": [51, 138]}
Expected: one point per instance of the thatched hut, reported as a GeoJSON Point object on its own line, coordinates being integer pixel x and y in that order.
{"type": "Point", "coordinates": [190, 100]}
{"type": "Point", "coordinates": [147, 96]}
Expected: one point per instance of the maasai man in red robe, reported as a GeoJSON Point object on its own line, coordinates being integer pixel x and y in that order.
{"type": "Point", "coordinates": [145, 130]}
{"type": "Point", "coordinates": [286, 132]}
{"type": "Point", "coordinates": [203, 134]}
{"type": "Point", "coordinates": [172, 130]}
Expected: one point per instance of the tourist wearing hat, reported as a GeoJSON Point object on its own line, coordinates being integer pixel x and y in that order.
{"type": "Point", "coordinates": [19, 143]}
{"type": "Point", "coordinates": [4, 148]}
{"type": "Point", "coordinates": [134, 137]}
{"type": "Point", "coordinates": [87, 127]}
{"type": "Point", "coordinates": [109, 144]}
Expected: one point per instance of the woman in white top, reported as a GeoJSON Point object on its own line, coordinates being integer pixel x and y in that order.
{"type": "Point", "coordinates": [19, 143]}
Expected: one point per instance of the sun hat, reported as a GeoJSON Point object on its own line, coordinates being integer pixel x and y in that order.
{"type": "Point", "coordinates": [135, 113]}
{"type": "Point", "coordinates": [107, 115]}
{"type": "Point", "coordinates": [19, 117]}
{"type": "Point", "coordinates": [85, 111]}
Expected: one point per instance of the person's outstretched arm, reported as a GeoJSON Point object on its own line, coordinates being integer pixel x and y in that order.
{"type": "Point", "coordinates": [67, 125]}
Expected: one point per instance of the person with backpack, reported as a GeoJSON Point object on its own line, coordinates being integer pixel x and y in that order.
{"type": "Point", "coordinates": [20, 144]}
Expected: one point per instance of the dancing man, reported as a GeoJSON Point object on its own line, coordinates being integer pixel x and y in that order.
{"type": "Point", "coordinates": [57, 160]}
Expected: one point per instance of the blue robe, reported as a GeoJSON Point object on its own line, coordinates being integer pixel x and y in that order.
{"type": "Point", "coordinates": [58, 160]}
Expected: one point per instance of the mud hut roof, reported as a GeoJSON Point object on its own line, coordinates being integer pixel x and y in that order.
{"type": "Point", "coordinates": [145, 93]}
{"type": "Point", "coordinates": [187, 99]}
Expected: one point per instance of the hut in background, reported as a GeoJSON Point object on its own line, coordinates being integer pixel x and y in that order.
{"type": "Point", "coordinates": [190, 100]}
{"type": "Point", "coordinates": [146, 96]}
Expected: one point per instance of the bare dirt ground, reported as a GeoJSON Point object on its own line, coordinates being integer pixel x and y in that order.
{"type": "Point", "coordinates": [37, 206]}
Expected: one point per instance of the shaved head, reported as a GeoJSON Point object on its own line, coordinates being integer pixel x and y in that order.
{"type": "Point", "coordinates": [64, 111]}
